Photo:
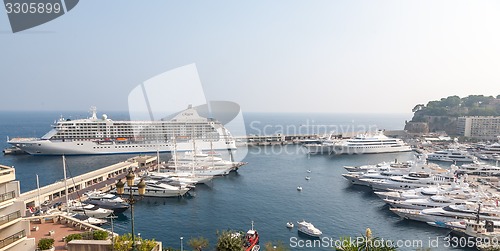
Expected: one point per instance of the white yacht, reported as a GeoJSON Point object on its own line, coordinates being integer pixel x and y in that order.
{"type": "Point", "coordinates": [417, 193]}
{"type": "Point", "coordinates": [361, 144]}
{"type": "Point", "coordinates": [308, 229]}
{"type": "Point", "coordinates": [159, 189]}
{"type": "Point", "coordinates": [357, 178]}
{"type": "Point", "coordinates": [90, 220]}
{"type": "Point", "coordinates": [448, 213]}
{"type": "Point", "coordinates": [451, 155]}
{"type": "Point", "coordinates": [88, 209]}
{"type": "Point", "coordinates": [410, 181]}
{"type": "Point", "coordinates": [423, 203]}
{"type": "Point", "coordinates": [491, 150]}
{"type": "Point", "coordinates": [104, 136]}
{"type": "Point", "coordinates": [481, 169]}
{"type": "Point", "coordinates": [381, 166]}
{"type": "Point", "coordinates": [201, 159]}
{"type": "Point", "coordinates": [204, 171]}
{"type": "Point", "coordinates": [107, 201]}
{"type": "Point", "coordinates": [459, 190]}
{"type": "Point", "coordinates": [179, 177]}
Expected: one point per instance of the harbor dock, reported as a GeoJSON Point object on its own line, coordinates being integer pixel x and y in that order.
{"type": "Point", "coordinates": [102, 179]}
{"type": "Point", "coordinates": [276, 139]}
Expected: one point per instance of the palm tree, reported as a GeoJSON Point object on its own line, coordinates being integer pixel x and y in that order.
{"type": "Point", "coordinates": [198, 243]}
{"type": "Point", "coordinates": [365, 243]}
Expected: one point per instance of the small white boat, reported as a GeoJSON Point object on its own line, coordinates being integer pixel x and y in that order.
{"type": "Point", "coordinates": [90, 220]}
{"type": "Point", "coordinates": [289, 224]}
{"type": "Point", "coordinates": [308, 229]}
{"type": "Point", "coordinates": [308, 170]}
{"type": "Point", "coordinates": [299, 188]}
{"type": "Point", "coordinates": [88, 209]}
{"type": "Point", "coordinates": [308, 178]}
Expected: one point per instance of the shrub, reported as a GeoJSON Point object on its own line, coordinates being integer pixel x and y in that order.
{"type": "Point", "coordinates": [100, 235]}
{"type": "Point", "coordinates": [45, 243]}
{"type": "Point", "coordinates": [73, 237]}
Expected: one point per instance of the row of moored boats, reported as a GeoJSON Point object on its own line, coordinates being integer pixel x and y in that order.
{"type": "Point", "coordinates": [422, 191]}
{"type": "Point", "coordinates": [172, 179]}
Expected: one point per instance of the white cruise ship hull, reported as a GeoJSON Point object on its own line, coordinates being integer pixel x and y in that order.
{"type": "Point", "coordinates": [49, 147]}
{"type": "Point", "coordinates": [339, 149]}
{"type": "Point", "coordinates": [105, 136]}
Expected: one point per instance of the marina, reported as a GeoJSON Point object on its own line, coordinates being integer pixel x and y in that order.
{"type": "Point", "coordinates": [250, 126]}
{"type": "Point", "coordinates": [318, 176]}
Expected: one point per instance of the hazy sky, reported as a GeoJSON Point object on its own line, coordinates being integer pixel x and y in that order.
{"type": "Point", "coordinates": [277, 56]}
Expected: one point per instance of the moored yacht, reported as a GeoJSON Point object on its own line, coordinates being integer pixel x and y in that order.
{"type": "Point", "coordinates": [410, 181]}
{"type": "Point", "coordinates": [356, 178]}
{"type": "Point", "coordinates": [361, 144]}
{"type": "Point", "coordinates": [460, 190]}
{"type": "Point", "coordinates": [451, 155]}
{"type": "Point", "coordinates": [448, 213]}
{"type": "Point", "coordinates": [481, 169]}
{"type": "Point", "coordinates": [107, 201]}
{"type": "Point", "coordinates": [308, 229]}
{"type": "Point", "coordinates": [88, 209]}
{"type": "Point", "coordinates": [159, 189]}
{"type": "Point", "coordinates": [381, 166]}
{"type": "Point", "coordinates": [423, 203]}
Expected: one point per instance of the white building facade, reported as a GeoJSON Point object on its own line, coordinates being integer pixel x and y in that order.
{"type": "Point", "coordinates": [479, 127]}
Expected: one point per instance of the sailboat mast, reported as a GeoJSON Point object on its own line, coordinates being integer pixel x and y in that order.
{"type": "Point", "coordinates": [65, 183]}
{"type": "Point", "coordinates": [175, 155]}
{"type": "Point", "coordinates": [158, 157]}
{"type": "Point", "coordinates": [38, 189]}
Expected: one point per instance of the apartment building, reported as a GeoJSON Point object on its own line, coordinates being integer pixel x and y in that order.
{"type": "Point", "coordinates": [13, 229]}
{"type": "Point", "coordinates": [479, 127]}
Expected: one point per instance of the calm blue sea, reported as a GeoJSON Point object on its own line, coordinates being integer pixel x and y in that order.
{"type": "Point", "coordinates": [264, 191]}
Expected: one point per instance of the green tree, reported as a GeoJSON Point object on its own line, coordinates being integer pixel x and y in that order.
{"type": "Point", "coordinates": [451, 101]}
{"type": "Point", "coordinates": [229, 241]}
{"type": "Point", "coordinates": [198, 243]}
{"type": "Point", "coordinates": [418, 108]}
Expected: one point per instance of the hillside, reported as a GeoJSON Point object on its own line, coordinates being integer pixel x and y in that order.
{"type": "Point", "coordinates": [442, 115]}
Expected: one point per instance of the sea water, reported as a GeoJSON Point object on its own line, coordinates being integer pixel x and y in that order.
{"type": "Point", "coordinates": [263, 191]}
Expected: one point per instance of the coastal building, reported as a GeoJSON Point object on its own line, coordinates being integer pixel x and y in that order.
{"type": "Point", "coordinates": [13, 229]}
{"type": "Point", "coordinates": [479, 127]}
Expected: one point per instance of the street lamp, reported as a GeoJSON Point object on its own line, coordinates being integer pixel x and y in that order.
{"type": "Point", "coordinates": [141, 189]}
{"type": "Point", "coordinates": [182, 249]}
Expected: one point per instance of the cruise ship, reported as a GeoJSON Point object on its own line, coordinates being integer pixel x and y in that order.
{"type": "Point", "coordinates": [361, 144]}
{"type": "Point", "coordinates": [95, 135]}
